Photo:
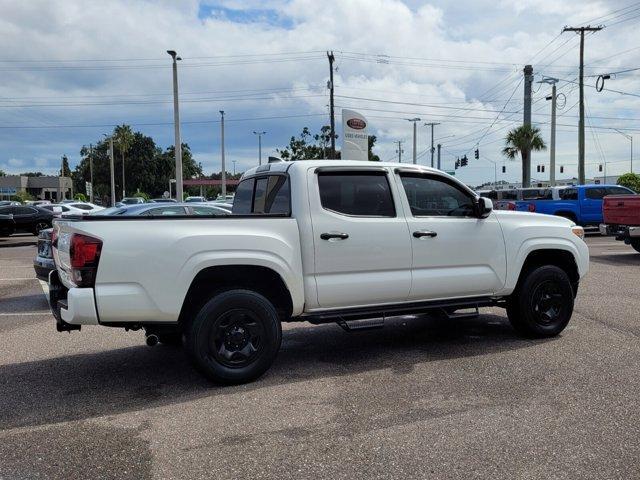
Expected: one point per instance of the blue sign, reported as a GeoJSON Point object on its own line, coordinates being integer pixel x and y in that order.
{"type": "Point", "coordinates": [8, 191]}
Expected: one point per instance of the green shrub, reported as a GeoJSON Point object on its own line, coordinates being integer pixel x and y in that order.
{"type": "Point", "coordinates": [630, 180]}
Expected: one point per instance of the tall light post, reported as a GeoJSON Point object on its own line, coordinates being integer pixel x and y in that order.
{"type": "Point", "coordinates": [171, 180]}
{"type": "Point", "coordinates": [415, 154]}
{"type": "Point", "coordinates": [259, 134]}
{"type": "Point", "coordinates": [113, 178]}
{"type": "Point", "coordinates": [176, 125]}
{"type": "Point", "coordinates": [91, 171]}
{"type": "Point", "coordinates": [552, 149]}
{"type": "Point", "coordinates": [630, 138]}
{"type": "Point", "coordinates": [224, 170]}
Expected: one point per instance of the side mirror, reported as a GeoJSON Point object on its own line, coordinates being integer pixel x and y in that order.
{"type": "Point", "coordinates": [484, 207]}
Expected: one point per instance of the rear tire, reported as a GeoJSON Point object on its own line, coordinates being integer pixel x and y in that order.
{"type": "Point", "coordinates": [40, 226]}
{"type": "Point", "coordinates": [235, 337]}
{"type": "Point", "coordinates": [543, 303]}
{"type": "Point", "coordinates": [636, 245]}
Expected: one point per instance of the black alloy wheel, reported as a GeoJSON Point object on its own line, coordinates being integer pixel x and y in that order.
{"type": "Point", "coordinates": [235, 336]}
{"type": "Point", "coordinates": [542, 304]}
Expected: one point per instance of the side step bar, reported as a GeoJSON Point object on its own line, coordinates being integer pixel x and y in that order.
{"type": "Point", "coordinates": [365, 324]}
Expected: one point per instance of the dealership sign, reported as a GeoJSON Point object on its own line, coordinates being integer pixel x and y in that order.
{"type": "Point", "coordinates": [355, 140]}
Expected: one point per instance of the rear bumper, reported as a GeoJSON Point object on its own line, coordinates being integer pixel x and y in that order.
{"type": "Point", "coordinates": [621, 232]}
{"type": "Point", "coordinates": [43, 266]}
{"type": "Point", "coordinates": [71, 307]}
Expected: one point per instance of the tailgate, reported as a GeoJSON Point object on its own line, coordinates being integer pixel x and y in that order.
{"type": "Point", "coordinates": [621, 209]}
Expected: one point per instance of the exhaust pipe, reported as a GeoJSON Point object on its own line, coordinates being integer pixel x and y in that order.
{"type": "Point", "coordinates": [152, 339]}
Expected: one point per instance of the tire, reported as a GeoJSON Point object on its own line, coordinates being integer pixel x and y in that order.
{"type": "Point", "coordinates": [568, 216]}
{"type": "Point", "coordinates": [235, 337]}
{"type": "Point", "coordinates": [40, 226]}
{"type": "Point", "coordinates": [542, 304]}
{"type": "Point", "coordinates": [636, 245]}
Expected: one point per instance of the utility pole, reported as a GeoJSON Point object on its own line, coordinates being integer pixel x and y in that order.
{"type": "Point", "coordinates": [259, 134]}
{"type": "Point", "coordinates": [526, 158]}
{"type": "Point", "coordinates": [234, 167]}
{"type": "Point", "coordinates": [399, 151]}
{"type": "Point", "coordinates": [581, 30]}
{"type": "Point", "coordinates": [432, 124]}
{"type": "Point", "coordinates": [439, 147]}
{"type": "Point", "coordinates": [91, 171]}
{"type": "Point", "coordinates": [552, 149]}
{"type": "Point", "coordinates": [224, 170]}
{"type": "Point", "coordinates": [415, 150]}
{"type": "Point", "coordinates": [332, 122]}
{"type": "Point", "coordinates": [176, 124]}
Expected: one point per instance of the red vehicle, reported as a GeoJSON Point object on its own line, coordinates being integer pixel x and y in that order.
{"type": "Point", "coordinates": [621, 215]}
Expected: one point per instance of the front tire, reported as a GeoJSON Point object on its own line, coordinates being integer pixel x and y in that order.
{"type": "Point", "coordinates": [235, 337]}
{"type": "Point", "coordinates": [40, 226]}
{"type": "Point", "coordinates": [543, 304]}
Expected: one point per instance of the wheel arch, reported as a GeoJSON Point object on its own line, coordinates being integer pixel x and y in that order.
{"type": "Point", "coordinates": [562, 258]}
{"type": "Point", "coordinates": [260, 279]}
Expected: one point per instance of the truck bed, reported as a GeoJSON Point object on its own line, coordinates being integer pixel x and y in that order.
{"type": "Point", "coordinates": [622, 210]}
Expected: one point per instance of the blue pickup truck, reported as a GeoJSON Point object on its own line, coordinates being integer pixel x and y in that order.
{"type": "Point", "coordinates": [581, 204]}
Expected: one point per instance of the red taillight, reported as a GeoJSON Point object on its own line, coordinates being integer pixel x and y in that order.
{"type": "Point", "coordinates": [85, 255]}
{"type": "Point", "coordinates": [511, 206]}
{"type": "Point", "coordinates": [532, 207]}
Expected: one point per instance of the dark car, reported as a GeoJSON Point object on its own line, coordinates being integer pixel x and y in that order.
{"type": "Point", "coordinates": [28, 218]}
{"type": "Point", "coordinates": [43, 263]}
{"type": "Point", "coordinates": [7, 225]}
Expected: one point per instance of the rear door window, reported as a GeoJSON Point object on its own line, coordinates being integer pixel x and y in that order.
{"type": "Point", "coordinates": [568, 194]}
{"type": "Point", "coordinates": [362, 194]}
{"type": "Point", "coordinates": [268, 195]}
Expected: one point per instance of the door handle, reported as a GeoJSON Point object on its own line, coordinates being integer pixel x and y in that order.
{"type": "Point", "coordinates": [329, 236]}
{"type": "Point", "coordinates": [424, 233]}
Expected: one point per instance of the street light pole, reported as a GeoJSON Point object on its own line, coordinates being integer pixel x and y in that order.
{"type": "Point", "coordinates": [552, 149]}
{"type": "Point", "coordinates": [630, 138]}
{"type": "Point", "coordinates": [176, 124]}
{"type": "Point", "coordinates": [224, 170]}
{"type": "Point", "coordinates": [415, 151]}
{"type": "Point", "coordinates": [259, 134]}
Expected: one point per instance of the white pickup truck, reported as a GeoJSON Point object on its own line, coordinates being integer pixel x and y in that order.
{"type": "Point", "coordinates": [318, 241]}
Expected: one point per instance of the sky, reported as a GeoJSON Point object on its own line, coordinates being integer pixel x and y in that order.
{"type": "Point", "coordinates": [73, 69]}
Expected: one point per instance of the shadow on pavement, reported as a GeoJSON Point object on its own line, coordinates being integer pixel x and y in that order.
{"type": "Point", "coordinates": [135, 378]}
{"type": "Point", "coordinates": [632, 258]}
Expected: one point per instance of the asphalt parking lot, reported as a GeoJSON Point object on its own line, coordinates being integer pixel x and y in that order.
{"type": "Point", "coordinates": [421, 398]}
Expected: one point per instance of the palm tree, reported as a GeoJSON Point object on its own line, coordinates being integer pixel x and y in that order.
{"type": "Point", "coordinates": [523, 140]}
{"type": "Point", "coordinates": [124, 138]}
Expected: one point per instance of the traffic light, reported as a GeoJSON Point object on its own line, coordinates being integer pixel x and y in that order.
{"type": "Point", "coordinates": [464, 162]}
{"type": "Point", "coordinates": [477, 154]}
{"type": "Point", "coordinates": [600, 167]}
{"type": "Point", "coordinates": [561, 169]}
{"type": "Point", "coordinates": [504, 169]}
{"type": "Point", "coordinates": [538, 168]}
{"type": "Point", "coordinates": [542, 168]}
{"type": "Point", "coordinates": [457, 163]}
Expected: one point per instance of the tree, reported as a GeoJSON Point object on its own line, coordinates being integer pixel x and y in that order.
{"type": "Point", "coordinates": [80, 197]}
{"type": "Point", "coordinates": [630, 180]}
{"type": "Point", "coordinates": [2, 174]}
{"type": "Point", "coordinates": [123, 137]}
{"type": "Point", "coordinates": [31, 174]}
{"type": "Point", "coordinates": [308, 146]}
{"type": "Point", "coordinates": [65, 171]}
{"type": "Point", "coordinates": [523, 140]}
